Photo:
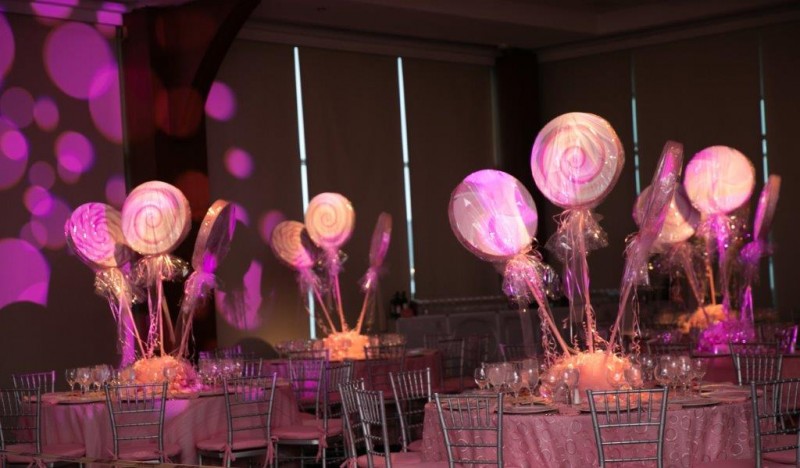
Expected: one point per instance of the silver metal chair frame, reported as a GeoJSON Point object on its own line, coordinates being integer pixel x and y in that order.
{"type": "Point", "coordinates": [306, 377]}
{"type": "Point", "coordinates": [756, 367]}
{"type": "Point", "coordinates": [20, 417]}
{"type": "Point", "coordinates": [372, 411]}
{"type": "Point", "coordinates": [144, 405]}
{"type": "Point", "coordinates": [381, 361]}
{"type": "Point", "coordinates": [252, 367]}
{"type": "Point", "coordinates": [776, 411]}
{"type": "Point", "coordinates": [412, 390]}
{"type": "Point", "coordinates": [352, 420]}
{"type": "Point", "coordinates": [628, 409]}
{"type": "Point", "coordinates": [473, 414]}
{"type": "Point", "coordinates": [452, 351]}
{"type": "Point", "coordinates": [44, 380]}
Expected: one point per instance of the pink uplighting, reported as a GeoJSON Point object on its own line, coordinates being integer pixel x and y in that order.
{"type": "Point", "coordinates": [16, 104]}
{"type": "Point", "coordinates": [14, 145]}
{"type": "Point", "coordinates": [115, 191]}
{"type": "Point", "coordinates": [267, 224]}
{"type": "Point", "coordinates": [38, 201]}
{"type": "Point", "coordinates": [104, 104]}
{"type": "Point", "coordinates": [54, 8]}
{"type": "Point", "coordinates": [239, 305]}
{"type": "Point", "coordinates": [29, 284]}
{"type": "Point", "coordinates": [45, 112]}
{"type": "Point", "coordinates": [74, 55]}
{"type": "Point", "coordinates": [221, 102]}
{"type": "Point", "coordinates": [6, 47]}
{"type": "Point", "coordinates": [241, 214]}
{"type": "Point", "coordinates": [13, 162]}
{"type": "Point", "coordinates": [34, 233]}
{"type": "Point", "coordinates": [53, 221]}
{"type": "Point", "coordinates": [42, 174]}
{"type": "Point", "coordinates": [239, 163]}
{"type": "Point", "coordinates": [74, 152]}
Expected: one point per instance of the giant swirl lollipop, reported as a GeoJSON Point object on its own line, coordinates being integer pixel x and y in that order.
{"type": "Point", "coordinates": [155, 219]}
{"type": "Point", "coordinates": [719, 180]}
{"type": "Point", "coordinates": [330, 220]}
{"type": "Point", "coordinates": [654, 213]}
{"type": "Point", "coordinates": [286, 242]}
{"type": "Point", "coordinates": [576, 160]}
{"type": "Point", "coordinates": [494, 217]}
{"type": "Point", "coordinates": [93, 232]}
{"type": "Point", "coordinates": [210, 248]}
{"type": "Point", "coordinates": [379, 246]}
{"type": "Point", "coordinates": [759, 247]}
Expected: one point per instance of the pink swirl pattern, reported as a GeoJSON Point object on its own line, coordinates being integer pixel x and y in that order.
{"type": "Point", "coordinates": [215, 235]}
{"type": "Point", "coordinates": [493, 215]}
{"type": "Point", "coordinates": [330, 220]}
{"type": "Point", "coordinates": [576, 160]}
{"type": "Point", "coordinates": [155, 218]}
{"type": "Point", "coordinates": [681, 221]}
{"type": "Point", "coordinates": [95, 234]}
{"type": "Point", "coordinates": [766, 208]}
{"type": "Point", "coordinates": [287, 244]}
{"type": "Point", "coordinates": [719, 179]}
{"type": "Point", "coordinates": [381, 237]}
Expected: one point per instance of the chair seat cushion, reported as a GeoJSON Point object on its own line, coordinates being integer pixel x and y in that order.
{"type": "Point", "coordinates": [416, 446]}
{"type": "Point", "coordinates": [61, 450]}
{"type": "Point", "coordinates": [785, 457]}
{"type": "Point", "coordinates": [217, 443]}
{"type": "Point", "coordinates": [334, 424]}
{"type": "Point", "coordinates": [147, 451]}
{"type": "Point", "coordinates": [398, 459]}
{"type": "Point", "coordinates": [304, 432]}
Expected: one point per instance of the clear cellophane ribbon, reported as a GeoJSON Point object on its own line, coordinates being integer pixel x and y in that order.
{"type": "Point", "coordinates": [308, 281]}
{"type": "Point", "coordinates": [149, 273]}
{"type": "Point", "coordinates": [720, 232]}
{"type": "Point", "coordinates": [750, 257]}
{"type": "Point", "coordinates": [369, 286]}
{"type": "Point", "coordinates": [114, 284]}
{"type": "Point", "coordinates": [578, 233]}
{"type": "Point", "coordinates": [196, 291]}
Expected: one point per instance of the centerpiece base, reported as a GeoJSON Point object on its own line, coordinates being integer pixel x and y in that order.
{"type": "Point", "coordinates": [593, 368]}
{"type": "Point", "coordinates": [346, 345]}
{"type": "Point", "coordinates": [179, 373]}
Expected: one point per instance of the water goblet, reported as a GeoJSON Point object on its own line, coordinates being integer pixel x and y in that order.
{"type": "Point", "coordinates": [530, 376]}
{"type": "Point", "coordinates": [634, 376]}
{"type": "Point", "coordinates": [615, 376]}
{"type": "Point", "coordinates": [514, 382]}
{"type": "Point", "coordinates": [84, 377]}
{"type": "Point", "coordinates": [481, 379]}
{"type": "Point", "coordinates": [648, 364]}
{"type": "Point", "coordinates": [550, 383]}
{"type": "Point", "coordinates": [570, 377]}
{"type": "Point", "coordinates": [71, 376]}
{"type": "Point", "coordinates": [685, 372]}
{"type": "Point", "coordinates": [496, 374]}
{"type": "Point", "coordinates": [699, 369]}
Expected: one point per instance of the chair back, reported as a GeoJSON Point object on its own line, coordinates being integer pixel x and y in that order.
{"type": "Point", "coordinates": [354, 438]}
{"type": "Point", "coordinates": [20, 417]}
{"type": "Point", "coordinates": [230, 352]}
{"type": "Point", "coordinates": [44, 380]}
{"type": "Point", "coordinates": [751, 365]}
{"type": "Point", "coordinates": [336, 374]}
{"type": "Point", "coordinates": [306, 377]}
{"type": "Point", "coordinates": [372, 411]}
{"type": "Point", "coordinates": [515, 352]}
{"type": "Point", "coordinates": [137, 414]}
{"type": "Point", "coordinates": [252, 367]}
{"type": "Point", "coordinates": [476, 352]}
{"type": "Point", "coordinates": [473, 433]}
{"type": "Point", "coordinates": [412, 390]}
{"type": "Point", "coordinates": [776, 412]}
{"type": "Point", "coordinates": [382, 360]}
{"type": "Point", "coordinates": [627, 420]}
{"type": "Point", "coordinates": [248, 405]}
{"type": "Point", "coordinates": [452, 351]}
{"type": "Point", "coordinates": [755, 347]}
{"type": "Point", "coordinates": [658, 348]}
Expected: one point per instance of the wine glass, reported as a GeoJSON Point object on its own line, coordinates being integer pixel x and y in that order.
{"type": "Point", "coordinates": [549, 388]}
{"type": "Point", "coordinates": [684, 372]}
{"type": "Point", "coordinates": [71, 376]}
{"type": "Point", "coordinates": [530, 376]}
{"type": "Point", "coordinates": [570, 376]}
{"type": "Point", "coordinates": [514, 381]}
{"type": "Point", "coordinates": [648, 364]}
{"type": "Point", "coordinates": [496, 376]}
{"type": "Point", "coordinates": [84, 377]}
{"type": "Point", "coordinates": [615, 376]}
{"type": "Point", "coordinates": [481, 378]}
{"type": "Point", "coordinates": [663, 374]}
{"type": "Point", "coordinates": [634, 376]}
{"type": "Point", "coordinates": [699, 369]}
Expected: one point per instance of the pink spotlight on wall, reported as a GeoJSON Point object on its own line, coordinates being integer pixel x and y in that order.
{"type": "Point", "coordinates": [13, 154]}
{"type": "Point", "coordinates": [38, 201]}
{"type": "Point", "coordinates": [49, 227]}
{"type": "Point", "coordinates": [267, 224]}
{"type": "Point", "coordinates": [42, 174]}
{"type": "Point", "coordinates": [104, 104]}
{"type": "Point", "coordinates": [115, 191]}
{"type": "Point", "coordinates": [29, 284]}
{"type": "Point", "coordinates": [74, 54]}
{"type": "Point", "coordinates": [239, 163]}
{"type": "Point", "coordinates": [6, 46]}
{"type": "Point", "coordinates": [59, 9]}
{"type": "Point", "coordinates": [45, 112]}
{"type": "Point", "coordinates": [239, 305]}
{"type": "Point", "coordinates": [75, 155]}
{"type": "Point", "coordinates": [16, 104]}
{"type": "Point", "coordinates": [221, 102]}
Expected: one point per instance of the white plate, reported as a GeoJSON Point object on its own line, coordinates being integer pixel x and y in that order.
{"type": "Point", "coordinates": [528, 409]}
{"type": "Point", "coordinates": [699, 402]}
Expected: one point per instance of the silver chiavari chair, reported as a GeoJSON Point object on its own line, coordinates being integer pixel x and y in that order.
{"type": "Point", "coordinates": [252, 367]}
{"type": "Point", "coordinates": [44, 380]}
{"type": "Point", "coordinates": [473, 434]}
{"type": "Point", "coordinates": [452, 353]}
{"type": "Point", "coordinates": [372, 411]}
{"type": "Point", "coordinates": [380, 361]}
{"type": "Point", "coordinates": [412, 390]}
{"type": "Point", "coordinates": [776, 415]}
{"type": "Point", "coordinates": [756, 362]}
{"type": "Point", "coordinates": [354, 439]}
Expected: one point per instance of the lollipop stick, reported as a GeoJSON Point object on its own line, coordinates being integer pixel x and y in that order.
{"type": "Point", "coordinates": [367, 297]}
{"type": "Point", "coordinates": [615, 329]}
{"type": "Point", "coordinates": [710, 275]}
{"type": "Point", "coordinates": [338, 293]}
{"type": "Point", "coordinates": [547, 315]}
{"type": "Point", "coordinates": [165, 311]}
{"type": "Point", "coordinates": [322, 306]}
{"type": "Point", "coordinates": [127, 308]}
{"type": "Point", "coordinates": [584, 282]}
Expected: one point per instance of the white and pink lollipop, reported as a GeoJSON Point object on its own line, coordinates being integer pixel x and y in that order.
{"type": "Point", "coordinates": [765, 210]}
{"type": "Point", "coordinates": [381, 237]}
{"type": "Point", "coordinates": [155, 218]}
{"type": "Point", "coordinates": [681, 221]}
{"type": "Point", "coordinates": [719, 179]}
{"type": "Point", "coordinates": [287, 244]}
{"type": "Point", "coordinates": [576, 160]}
{"type": "Point", "coordinates": [330, 220]}
{"type": "Point", "coordinates": [493, 215]}
{"type": "Point", "coordinates": [94, 231]}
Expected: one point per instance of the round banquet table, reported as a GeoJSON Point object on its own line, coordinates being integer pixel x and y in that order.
{"type": "Point", "coordinates": [691, 435]}
{"type": "Point", "coordinates": [186, 421]}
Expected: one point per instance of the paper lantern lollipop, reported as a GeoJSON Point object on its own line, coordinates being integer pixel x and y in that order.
{"type": "Point", "coordinates": [155, 219]}
{"type": "Point", "coordinates": [493, 215]}
{"type": "Point", "coordinates": [759, 247]}
{"type": "Point", "coordinates": [93, 232]}
{"type": "Point", "coordinates": [379, 246]}
{"type": "Point", "coordinates": [330, 220]}
{"type": "Point", "coordinates": [211, 246]}
{"type": "Point", "coordinates": [719, 180]}
{"type": "Point", "coordinates": [287, 244]}
{"type": "Point", "coordinates": [681, 221]}
{"type": "Point", "coordinates": [576, 160]}
{"type": "Point", "coordinates": [654, 213]}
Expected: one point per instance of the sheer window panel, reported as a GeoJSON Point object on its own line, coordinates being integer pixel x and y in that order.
{"type": "Point", "coordinates": [352, 119]}
{"type": "Point", "coordinates": [449, 136]}
{"type": "Point", "coordinates": [254, 162]}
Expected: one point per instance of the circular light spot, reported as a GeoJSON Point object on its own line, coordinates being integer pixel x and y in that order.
{"type": "Point", "coordinates": [267, 224]}
{"type": "Point", "coordinates": [74, 54]}
{"type": "Point", "coordinates": [42, 174]}
{"type": "Point", "coordinates": [45, 112]}
{"type": "Point", "coordinates": [27, 284]}
{"type": "Point", "coordinates": [239, 163]}
{"type": "Point", "coordinates": [38, 201]}
{"type": "Point", "coordinates": [104, 104]}
{"type": "Point", "coordinates": [14, 145]}
{"type": "Point", "coordinates": [115, 191]}
{"type": "Point", "coordinates": [13, 154]}
{"type": "Point", "coordinates": [74, 152]}
{"type": "Point", "coordinates": [34, 233]}
{"type": "Point", "coordinates": [53, 222]}
{"type": "Point", "coordinates": [59, 9]}
{"type": "Point", "coordinates": [16, 104]}
{"type": "Point", "coordinates": [6, 46]}
{"type": "Point", "coordinates": [241, 214]}
{"type": "Point", "coordinates": [221, 102]}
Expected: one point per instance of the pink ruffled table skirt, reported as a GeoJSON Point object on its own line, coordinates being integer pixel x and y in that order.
{"type": "Point", "coordinates": [186, 422]}
{"type": "Point", "coordinates": [692, 435]}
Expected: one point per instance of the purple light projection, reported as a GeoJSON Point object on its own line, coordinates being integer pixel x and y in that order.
{"type": "Point", "coordinates": [267, 224]}
{"type": "Point", "coordinates": [45, 112]}
{"type": "Point", "coordinates": [13, 154]}
{"type": "Point", "coordinates": [221, 102]}
{"type": "Point", "coordinates": [29, 284]}
{"type": "Point", "coordinates": [42, 174]}
{"type": "Point", "coordinates": [38, 201]}
{"type": "Point", "coordinates": [239, 305]}
{"type": "Point", "coordinates": [16, 104]}
{"type": "Point", "coordinates": [6, 47]}
{"type": "Point", "coordinates": [115, 191]}
{"type": "Point", "coordinates": [104, 104]}
{"type": "Point", "coordinates": [241, 214]}
{"type": "Point", "coordinates": [75, 155]}
{"type": "Point", "coordinates": [59, 9]}
{"type": "Point", "coordinates": [74, 55]}
{"type": "Point", "coordinates": [239, 163]}
{"type": "Point", "coordinates": [48, 229]}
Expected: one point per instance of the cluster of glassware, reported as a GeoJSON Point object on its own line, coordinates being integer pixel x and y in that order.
{"type": "Point", "coordinates": [513, 376]}
{"type": "Point", "coordinates": [213, 370]}
{"type": "Point", "coordinates": [291, 346]}
{"type": "Point", "coordinates": [96, 377]}
{"type": "Point", "coordinates": [674, 371]}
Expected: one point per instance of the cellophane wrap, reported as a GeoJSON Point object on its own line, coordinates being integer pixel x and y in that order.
{"type": "Point", "coordinates": [114, 284]}
{"type": "Point", "coordinates": [378, 248]}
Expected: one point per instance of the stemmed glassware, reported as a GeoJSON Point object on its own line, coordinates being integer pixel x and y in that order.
{"type": "Point", "coordinates": [71, 376]}
{"type": "Point", "coordinates": [615, 377]}
{"type": "Point", "coordinates": [634, 376]}
{"type": "Point", "coordinates": [514, 381]}
{"type": "Point", "coordinates": [481, 379]}
{"type": "Point", "coordinates": [699, 369]}
{"type": "Point", "coordinates": [569, 377]}
{"type": "Point", "coordinates": [84, 377]}
{"type": "Point", "coordinates": [685, 373]}
{"type": "Point", "coordinates": [496, 374]}
{"type": "Point", "coordinates": [530, 376]}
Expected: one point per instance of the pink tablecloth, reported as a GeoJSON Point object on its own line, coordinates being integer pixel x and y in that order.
{"type": "Point", "coordinates": [554, 440]}
{"type": "Point", "coordinates": [186, 422]}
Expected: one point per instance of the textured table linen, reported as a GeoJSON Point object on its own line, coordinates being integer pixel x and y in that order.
{"type": "Point", "coordinates": [186, 421]}
{"type": "Point", "coordinates": [691, 435]}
